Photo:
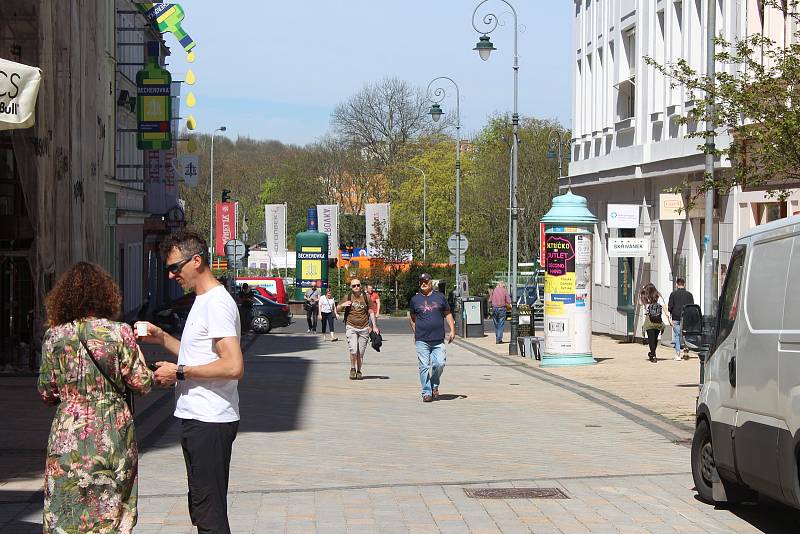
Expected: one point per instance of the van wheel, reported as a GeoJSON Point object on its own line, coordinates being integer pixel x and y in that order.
{"type": "Point", "coordinates": [703, 461]}
{"type": "Point", "coordinates": [261, 324]}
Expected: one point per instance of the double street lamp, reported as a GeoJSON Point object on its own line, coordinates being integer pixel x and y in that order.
{"type": "Point", "coordinates": [211, 198]}
{"type": "Point", "coordinates": [484, 49]}
{"type": "Point", "coordinates": [436, 96]}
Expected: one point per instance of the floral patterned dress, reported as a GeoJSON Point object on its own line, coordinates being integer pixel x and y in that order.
{"type": "Point", "coordinates": [92, 457]}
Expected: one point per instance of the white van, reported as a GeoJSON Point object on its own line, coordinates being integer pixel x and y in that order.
{"type": "Point", "coordinates": [748, 413]}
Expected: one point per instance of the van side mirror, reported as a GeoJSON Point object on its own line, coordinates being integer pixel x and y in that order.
{"type": "Point", "coordinates": [692, 320]}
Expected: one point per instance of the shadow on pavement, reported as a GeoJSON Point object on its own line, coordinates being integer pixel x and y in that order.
{"type": "Point", "coordinates": [768, 516]}
{"type": "Point", "coordinates": [449, 397]}
{"type": "Point", "coordinates": [375, 377]}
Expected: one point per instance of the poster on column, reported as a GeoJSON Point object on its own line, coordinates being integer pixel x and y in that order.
{"type": "Point", "coordinates": [225, 228]}
{"type": "Point", "coordinates": [328, 216]}
{"type": "Point", "coordinates": [275, 225]}
{"type": "Point", "coordinates": [567, 291]}
{"type": "Point", "coordinates": [377, 225]}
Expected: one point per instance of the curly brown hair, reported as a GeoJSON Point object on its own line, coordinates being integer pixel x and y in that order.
{"type": "Point", "coordinates": [85, 290]}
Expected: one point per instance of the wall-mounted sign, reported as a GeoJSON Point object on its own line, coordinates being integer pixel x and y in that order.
{"type": "Point", "coordinates": [623, 216]}
{"type": "Point", "coordinates": [19, 85]}
{"type": "Point", "coordinates": [188, 167]}
{"type": "Point", "coordinates": [153, 103]}
{"type": "Point", "coordinates": [628, 247]}
{"type": "Point", "coordinates": [671, 207]}
{"type": "Point", "coordinates": [167, 18]}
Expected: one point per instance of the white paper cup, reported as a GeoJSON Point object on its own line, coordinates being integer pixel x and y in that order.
{"type": "Point", "coordinates": [141, 329]}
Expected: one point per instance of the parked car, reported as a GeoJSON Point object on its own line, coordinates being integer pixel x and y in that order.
{"type": "Point", "coordinates": [261, 314]}
{"type": "Point", "coordinates": [272, 284]}
{"type": "Point", "coordinates": [747, 431]}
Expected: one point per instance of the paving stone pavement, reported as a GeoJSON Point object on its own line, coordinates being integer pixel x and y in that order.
{"type": "Point", "coordinates": [317, 452]}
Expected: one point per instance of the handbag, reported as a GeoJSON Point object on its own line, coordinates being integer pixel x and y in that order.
{"type": "Point", "coordinates": [126, 394]}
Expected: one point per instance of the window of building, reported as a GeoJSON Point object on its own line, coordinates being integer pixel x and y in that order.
{"type": "Point", "coordinates": [766, 212]}
{"type": "Point", "coordinates": [8, 181]}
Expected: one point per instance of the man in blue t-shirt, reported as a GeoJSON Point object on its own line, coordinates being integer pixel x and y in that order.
{"type": "Point", "coordinates": [427, 314]}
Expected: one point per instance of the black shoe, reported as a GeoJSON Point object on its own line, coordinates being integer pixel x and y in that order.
{"type": "Point", "coordinates": [653, 358]}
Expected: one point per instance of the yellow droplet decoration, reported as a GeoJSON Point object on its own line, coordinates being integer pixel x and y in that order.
{"type": "Point", "coordinates": [191, 101]}
{"type": "Point", "coordinates": [190, 57]}
{"type": "Point", "coordinates": [191, 123]}
{"type": "Point", "coordinates": [191, 145]}
{"type": "Point", "coordinates": [190, 78]}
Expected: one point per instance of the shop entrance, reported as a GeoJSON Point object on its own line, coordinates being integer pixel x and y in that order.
{"type": "Point", "coordinates": [17, 305]}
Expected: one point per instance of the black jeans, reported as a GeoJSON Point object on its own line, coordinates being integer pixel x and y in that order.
{"type": "Point", "coordinates": [652, 340]}
{"type": "Point", "coordinates": [207, 453]}
{"type": "Point", "coordinates": [327, 320]}
{"type": "Point", "coordinates": [311, 317]}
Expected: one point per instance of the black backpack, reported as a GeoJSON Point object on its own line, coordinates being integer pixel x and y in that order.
{"type": "Point", "coordinates": [347, 310]}
{"type": "Point", "coordinates": [654, 310]}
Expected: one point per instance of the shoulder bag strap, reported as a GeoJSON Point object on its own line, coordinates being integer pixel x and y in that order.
{"type": "Point", "coordinates": [114, 386]}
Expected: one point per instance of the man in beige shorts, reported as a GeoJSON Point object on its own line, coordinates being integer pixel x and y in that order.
{"type": "Point", "coordinates": [359, 315]}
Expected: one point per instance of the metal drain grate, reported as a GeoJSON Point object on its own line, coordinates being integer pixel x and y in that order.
{"type": "Point", "coordinates": [515, 493]}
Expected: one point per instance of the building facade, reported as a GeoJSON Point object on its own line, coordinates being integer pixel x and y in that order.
{"type": "Point", "coordinates": [628, 148]}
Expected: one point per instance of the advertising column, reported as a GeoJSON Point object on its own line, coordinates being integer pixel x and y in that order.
{"type": "Point", "coordinates": [568, 283]}
{"type": "Point", "coordinates": [311, 267]}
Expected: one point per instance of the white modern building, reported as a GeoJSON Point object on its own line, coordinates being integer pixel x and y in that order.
{"type": "Point", "coordinates": [627, 147]}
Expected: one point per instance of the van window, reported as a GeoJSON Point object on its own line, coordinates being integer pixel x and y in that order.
{"type": "Point", "coordinates": [729, 300]}
{"type": "Point", "coordinates": [766, 283]}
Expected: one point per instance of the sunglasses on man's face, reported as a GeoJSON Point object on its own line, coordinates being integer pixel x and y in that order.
{"type": "Point", "coordinates": [356, 285]}
{"type": "Point", "coordinates": [176, 267]}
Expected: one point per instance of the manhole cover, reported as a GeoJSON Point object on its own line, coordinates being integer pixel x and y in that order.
{"type": "Point", "coordinates": [515, 493]}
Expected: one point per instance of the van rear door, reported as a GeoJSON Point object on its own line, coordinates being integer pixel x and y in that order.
{"type": "Point", "coordinates": [756, 368]}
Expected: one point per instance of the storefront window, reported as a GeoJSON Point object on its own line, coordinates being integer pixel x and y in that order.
{"type": "Point", "coordinates": [7, 181]}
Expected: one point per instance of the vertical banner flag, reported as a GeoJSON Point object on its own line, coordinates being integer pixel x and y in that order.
{"type": "Point", "coordinates": [18, 90]}
{"type": "Point", "coordinates": [377, 216]}
{"type": "Point", "coordinates": [328, 216]}
{"type": "Point", "coordinates": [225, 226]}
{"type": "Point", "coordinates": [275, 227]}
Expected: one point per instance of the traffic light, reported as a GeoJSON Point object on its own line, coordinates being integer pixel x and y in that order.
{"type": "Point", "coordinates": [246, 253]}
{"type": "Point", "coordinates": [226, 195]}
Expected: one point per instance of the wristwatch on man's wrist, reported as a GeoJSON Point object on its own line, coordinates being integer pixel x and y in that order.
{"type": "Point", "coordinates": [179, 373]}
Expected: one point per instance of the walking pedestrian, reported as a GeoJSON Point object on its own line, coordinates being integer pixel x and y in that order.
{"type": "Point", "coordinates": [376, 299]}
{"type": "Point", "coordinates": [653, 326]}
{"type": "Point", "coordinates": [206, 379]}
{"type": "Point", "coordinates": [88, 361]}
{"type": "Point", "coordinates": [428, 312]}
{"type": "Point", "coordinates": [311, 306]}
{"type": "Point", "coordinates": [327, 313]}
{"type": "Point", "coordinates": [359, 315]}
{"type": "Point", "coordinates": [678, 300]}
{"type": "Point", "coordinates": [499, 298]}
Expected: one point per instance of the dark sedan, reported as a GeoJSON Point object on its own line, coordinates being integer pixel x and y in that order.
{"type": "Point", "coordinates": [257, 313]}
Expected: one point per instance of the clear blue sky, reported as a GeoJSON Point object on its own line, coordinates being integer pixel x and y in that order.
{"type": "Point", "coordinates": [276, 70]}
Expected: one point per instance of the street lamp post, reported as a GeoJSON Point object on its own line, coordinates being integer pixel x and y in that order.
{"type": "Point", "coordinates": [436, 112]}
{"type": "Point", "coordinates": [424, 213]}
{"type": "Point", "coordinates": [211, 199]}
{"type": "Point", "coordinates": [484, 49]}
{"type": "Point", "coordinates": [555, 148]}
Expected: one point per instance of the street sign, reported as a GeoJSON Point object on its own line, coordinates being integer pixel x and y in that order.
{"type": "Point", "coordinates": [234, 250]}
{"type": "Point", "coordinates": [453, 259]}
{"type": "Point", "coordinates": [452, 244]}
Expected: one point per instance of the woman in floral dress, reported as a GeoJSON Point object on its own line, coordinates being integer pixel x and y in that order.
{"type": "Point", "coordinates": [92, 458]}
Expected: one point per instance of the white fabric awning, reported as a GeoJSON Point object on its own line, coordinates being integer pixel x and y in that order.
{"type": "Point", "coordinates": [19, 85]}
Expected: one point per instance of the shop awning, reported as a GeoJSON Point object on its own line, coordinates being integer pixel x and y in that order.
{"type": "Point", "coordinates": [19, 85]}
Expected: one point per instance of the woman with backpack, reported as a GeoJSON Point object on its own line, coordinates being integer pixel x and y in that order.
{"type": "Point", "coordinates": [359, 320]}
{"type": "Point", "coordinates": [653, 317]}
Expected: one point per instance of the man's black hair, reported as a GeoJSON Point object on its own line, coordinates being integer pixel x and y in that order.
{"type": "Point", "coordinates": [188, 242]}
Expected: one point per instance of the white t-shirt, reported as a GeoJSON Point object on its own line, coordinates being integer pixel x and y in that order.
{"type": "Point", "coordinates": [326, 304]}
{"type": "Point", "coordinates": [214, 315]}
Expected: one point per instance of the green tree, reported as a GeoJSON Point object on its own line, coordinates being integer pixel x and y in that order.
{"type": "Point", "coordinates": [756, 104]}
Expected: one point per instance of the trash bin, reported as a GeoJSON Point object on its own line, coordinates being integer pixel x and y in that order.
{"type": "Point", "coordinates": [471, 317]}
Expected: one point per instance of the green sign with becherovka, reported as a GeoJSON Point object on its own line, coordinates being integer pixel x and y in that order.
{"type": "Point", "coordinates": [153, 103]}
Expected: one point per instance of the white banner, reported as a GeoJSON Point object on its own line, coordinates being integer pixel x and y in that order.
{"type": "Point", "coordinates": [275, 229]}
{"type": "Point", "coordinates": [377, 216]}
{"type": "Point", "coordinates": [623, 216]}
{"type": "Point", "coordinates": [328, 222]}
{"type": "Point", "coordinates": [628, 247]}
{"type": "Point", "coordinates": [19, 85]}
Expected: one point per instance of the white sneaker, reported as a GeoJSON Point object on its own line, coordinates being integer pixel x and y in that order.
{"type": "Point", "coordinates": [677, 358]}
{"type": "Point", "coordinates": [308, 331]}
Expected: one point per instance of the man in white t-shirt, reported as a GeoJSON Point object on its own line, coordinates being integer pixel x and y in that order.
{"type": "Point", "coordinates": [206, 378]}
